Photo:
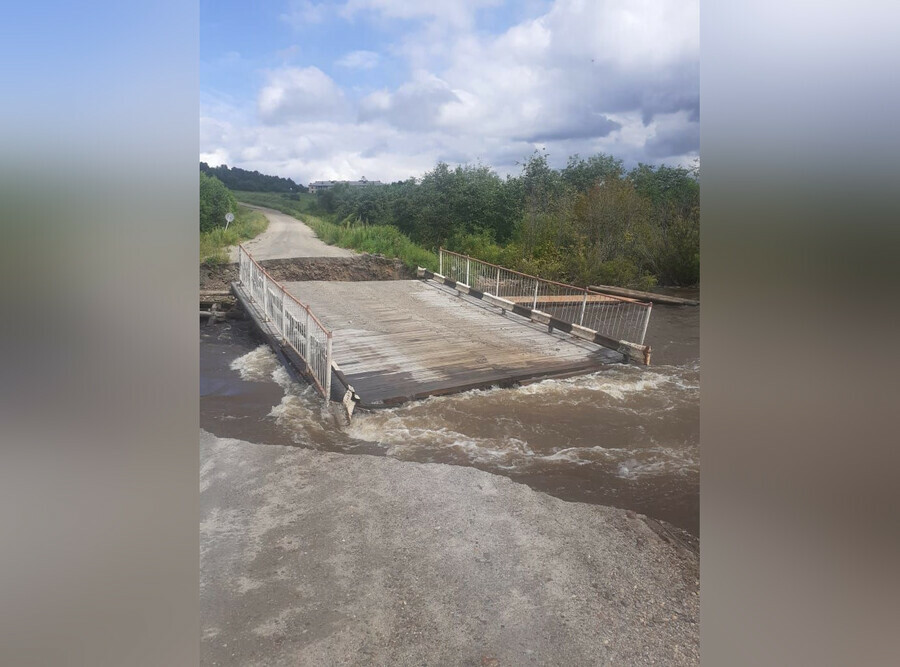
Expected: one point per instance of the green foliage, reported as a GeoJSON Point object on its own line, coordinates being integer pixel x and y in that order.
{"type": "Point", "coordinates": [252, 181]}
{"type": "Point", "coordinates": [375, 239]}
{"type": "Point", "coordinates": [590, 222]}
{"type": "Point", "coordinates": [214, 242]}
{"type": "Point", "coordinates": [215, 201]}
{"type": "Point", "coordinates": [290, 203]}
{"type": "Point", "coordinates": [581, 175]}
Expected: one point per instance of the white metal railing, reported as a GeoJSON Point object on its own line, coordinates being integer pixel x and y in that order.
{"type": "Point", "coordinates": [615, 317]}
{"type": "Point", "coordinates": [293, 320]}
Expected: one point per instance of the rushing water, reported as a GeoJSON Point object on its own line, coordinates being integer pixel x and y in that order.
{"type": "Point", "coordinates": [626, 436]}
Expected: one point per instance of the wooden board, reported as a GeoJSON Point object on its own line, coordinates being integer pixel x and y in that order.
{"type": "Point", "coordinates": [646, 296]}
{"type": "Point", "coordinates": [562, 298]}
{"type": "Point", "coordinates": [400, 340]}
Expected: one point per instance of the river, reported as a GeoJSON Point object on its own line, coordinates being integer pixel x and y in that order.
{"type": "Point", "coordinates": [627, 436]}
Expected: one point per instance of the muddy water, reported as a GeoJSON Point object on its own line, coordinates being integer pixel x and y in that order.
{"type": "Point", "coordinates": [626, 436]}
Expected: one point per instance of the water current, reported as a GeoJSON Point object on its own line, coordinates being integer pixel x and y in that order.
{"type": "Point", "coordinates": [626, 436]}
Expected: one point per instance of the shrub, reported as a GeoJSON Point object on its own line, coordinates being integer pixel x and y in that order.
{"type": "Point", "coordinates": [215, 201]}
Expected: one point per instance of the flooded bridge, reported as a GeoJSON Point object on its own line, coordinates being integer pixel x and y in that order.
{"type": "Point", "coordinates": [470, 325]}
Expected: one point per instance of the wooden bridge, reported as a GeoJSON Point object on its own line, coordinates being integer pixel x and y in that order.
{"type": "Point", "coordinates": [381, 343]}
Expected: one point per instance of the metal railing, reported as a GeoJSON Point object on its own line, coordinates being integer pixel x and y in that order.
{"type": "Point", "coordinates": [620, 318]}
{"type": "Point", "coordinates": [293, 320]}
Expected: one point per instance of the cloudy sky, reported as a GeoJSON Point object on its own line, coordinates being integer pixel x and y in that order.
{"type": "Point", "coordinates": [386, 88]}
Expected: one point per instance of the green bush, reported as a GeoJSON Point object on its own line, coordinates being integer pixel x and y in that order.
{"type": "Point", "coordinates": [247, 224]}
{"type": "Point", "coordinates": [375, 239]}
{"type": "Point", "coordinates": [623, 272]}
{"type": "Point", "coordinates": [215, 202]}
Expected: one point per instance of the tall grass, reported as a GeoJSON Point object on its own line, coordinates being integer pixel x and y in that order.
{"type": "Point", "coordinates": [214, 243]}
{"type": "Point", "coordinates": [376, 239]}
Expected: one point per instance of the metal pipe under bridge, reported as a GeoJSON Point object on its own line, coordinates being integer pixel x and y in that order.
{"type": "Point", "coordinates": [470, 325]}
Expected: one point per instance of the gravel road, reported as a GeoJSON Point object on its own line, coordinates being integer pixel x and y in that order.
{"type": "Point", "coordinates": [315, 558]}
{"type": "Point", "coordinates": [287, 237]}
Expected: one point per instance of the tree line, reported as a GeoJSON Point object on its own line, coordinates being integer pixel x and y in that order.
{"type": "Point", "coordinates": [589, 222]}
{"type": "Point", "coordinates": [236, 178]}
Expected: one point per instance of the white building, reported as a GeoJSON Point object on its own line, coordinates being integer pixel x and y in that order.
{"type": "Point", "coordinates": [321, 186]}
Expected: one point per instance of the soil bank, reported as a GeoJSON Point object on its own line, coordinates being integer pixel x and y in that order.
{"type": "Point", "coordinates": [356, 268]}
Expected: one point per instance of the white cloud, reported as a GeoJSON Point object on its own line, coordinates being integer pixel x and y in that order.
{"type": "Point", "coordinates": [457, 13]}
{"type": "Point", "coordinates": [617, 76]}
{"type": "Point", "coordinates": [217, 158]}
{"type": "Point", "coordinates": [416, 105]}
{"type": "Point", "coordinates": [293, 94]}
{"type": "Point", "coordinates": [301, 13]}
{"type": "Point", "coordinates": [359, 60]}
{"type": "Point", "coordinates": [674, 135]}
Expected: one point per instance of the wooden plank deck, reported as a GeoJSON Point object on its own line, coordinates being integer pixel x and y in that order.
{"type": "Point", "coordinates": [408, 339]}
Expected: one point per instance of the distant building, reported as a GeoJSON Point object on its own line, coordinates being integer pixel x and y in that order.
{"type": "Point", "coordinates": [321, 186]}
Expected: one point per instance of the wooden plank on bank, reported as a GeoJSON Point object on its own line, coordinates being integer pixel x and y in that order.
{"type": "Point", "coordinates": [562, 299]}
{"type": "Point", "coordinates": [645, 296]}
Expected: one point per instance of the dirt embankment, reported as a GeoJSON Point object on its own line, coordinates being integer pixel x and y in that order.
{"type": "Point", "coordinates": [346, 269]}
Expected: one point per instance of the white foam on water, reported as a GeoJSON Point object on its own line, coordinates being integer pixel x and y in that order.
{"type": "Point", "coordinates": [630, 463]}
{"type": "Point", "coordinates": [301, 411]}
{"type": "Point", "coordinates": [404, 435]}
{"type": "Point", "coordinates": [257, 365]}
{"type": "Point", "coordinates": [658, 461]}
{"type": "Point", "coordinates": [402, 439]}
{"type": "Point", "coordinates": [301, 417]}
{"type": "Point", "coordinates": [430, 429]}
{"type": "Point", "coordinates": [617, 384]}
{"type": "Point", "coordinates": [283, 379]}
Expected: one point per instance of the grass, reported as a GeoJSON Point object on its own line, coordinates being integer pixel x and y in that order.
{"type": "Point", "coordinates": [214, 243]}
{"type": "Point", "coordinates": [292, 204]}
{"type": "Point", "coordinates": [376, 239]}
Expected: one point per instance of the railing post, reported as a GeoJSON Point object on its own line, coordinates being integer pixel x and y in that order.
{"type": "Point", "coordinates": [537, 284]}
{"type": "Point", "coordinates": [284, 337]}
{"type": "Point", "coordinates": [467, 270]}
{"type": "Point", "coordinates": [497, 293]}
{"type": "Point", "coordinates": [646, 322]}
{"type": "Point", "coordinates": [441, 261]}
{"type": "Point", "coordinates": [308, 354]}
{"type": "Point", "coordinates": [583, 306]}
{"type": "Point", "coordinates": [328, 368]}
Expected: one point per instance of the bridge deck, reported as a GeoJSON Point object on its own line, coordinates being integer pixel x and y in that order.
{"type": "Point", "coordinates": [406, 339]}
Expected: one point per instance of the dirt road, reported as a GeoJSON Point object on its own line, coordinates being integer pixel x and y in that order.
{"type": "Point", "coordinates": [314, 558]}
{"type": "Point", "coordinates": [287, 237]}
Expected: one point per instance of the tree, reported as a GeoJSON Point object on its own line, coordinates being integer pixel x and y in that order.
{"type": "Point", "coordinates": [252, 181]}
{"type": "Point", "coordinates": [613, 224]}
{"type": "Point", "coordinates": [215, 201]}
{"type": "Point", "coordinates": [581, 174]}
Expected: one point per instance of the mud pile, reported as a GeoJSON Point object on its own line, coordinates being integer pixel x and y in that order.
{"type": "Point", "coordinates": [345, 269]}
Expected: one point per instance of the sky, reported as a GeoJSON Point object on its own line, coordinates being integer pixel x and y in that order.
{"type": "Point", "coordinates": [384, 89]}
